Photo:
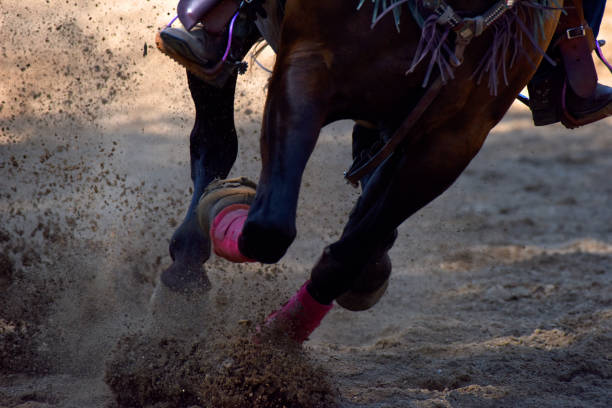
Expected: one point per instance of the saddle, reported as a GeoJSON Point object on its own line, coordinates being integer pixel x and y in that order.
{"type": "Point", "coordinates": [213, 14]}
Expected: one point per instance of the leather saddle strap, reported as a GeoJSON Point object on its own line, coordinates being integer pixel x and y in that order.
{"type": "Point", "coordinates": [575, 43]}
{"type": "Point", "coordinates": [353, 175]}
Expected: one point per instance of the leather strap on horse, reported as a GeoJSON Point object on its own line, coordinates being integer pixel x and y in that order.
{"type": "Point", "coordinates": [358, 170]}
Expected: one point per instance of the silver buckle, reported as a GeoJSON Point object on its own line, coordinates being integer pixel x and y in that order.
{"type": "Point", "coordinates": [575, 32]}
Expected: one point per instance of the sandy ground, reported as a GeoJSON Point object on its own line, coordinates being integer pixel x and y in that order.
{"type": "Point", "coordinates": [501, 290]}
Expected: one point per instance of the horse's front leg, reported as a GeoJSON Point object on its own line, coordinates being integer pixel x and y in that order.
{"type": "Point", "coordinates": [213, 151]}
{"type": "Point", "coordinates": [295, 111]}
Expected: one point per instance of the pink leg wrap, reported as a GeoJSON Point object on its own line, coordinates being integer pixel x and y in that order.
{"type": "Point", "coordinates": [300, 316]}
{"type": "Point", "coordinates": [225, 231]}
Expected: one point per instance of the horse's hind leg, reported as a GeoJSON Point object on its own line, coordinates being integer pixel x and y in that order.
{"type": "Point", "coordinates": [372, 282]}
{"type": "Point", "coordinates": [406, 182]}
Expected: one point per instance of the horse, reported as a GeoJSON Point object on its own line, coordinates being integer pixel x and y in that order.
{"type": "Point", "coordinates": [411, 88]}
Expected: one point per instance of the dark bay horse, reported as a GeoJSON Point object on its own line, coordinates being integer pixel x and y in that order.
{"type": "Point", "coordinates": [330, 65]}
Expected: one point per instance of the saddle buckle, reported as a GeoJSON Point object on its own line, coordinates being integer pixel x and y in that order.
{"type": "Point", "coordinates": [575, 32]}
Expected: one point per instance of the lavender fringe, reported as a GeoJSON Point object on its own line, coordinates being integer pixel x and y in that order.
{"type": "Point", "coordinates": [509, 35]}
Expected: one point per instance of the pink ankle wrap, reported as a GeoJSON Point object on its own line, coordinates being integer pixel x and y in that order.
{"type": "Point", "coordinates": [300, 316]}
{"type": "Point", "coordinates": [225, 231]}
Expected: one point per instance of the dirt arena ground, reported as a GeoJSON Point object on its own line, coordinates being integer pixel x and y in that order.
{"type": "Point", "coordinates": [501, 294]}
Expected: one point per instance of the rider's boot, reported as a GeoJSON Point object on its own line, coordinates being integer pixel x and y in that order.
{"type": "Point", "coordinates": [207, 50]}
{"type": "Point", "coordinates": [193, 49]}
{"type": "Point", "coordinates": [569, 92]}
{"type": "Point", "coordinates": [553, 100]}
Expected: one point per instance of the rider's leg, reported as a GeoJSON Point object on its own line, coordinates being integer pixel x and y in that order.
{"type": "Point", "coordinates": [551, 99]}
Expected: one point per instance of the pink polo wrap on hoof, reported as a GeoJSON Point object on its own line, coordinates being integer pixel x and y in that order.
{"type": "Point", "coordinates": [300, 316]}
{"type": "Point", "coordinates": [225, 231]}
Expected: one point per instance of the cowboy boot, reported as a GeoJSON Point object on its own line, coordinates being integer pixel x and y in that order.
{"type": "Point", "coordinates": [581, 111]}
{"type": "Point", "coordinates": [196, 50]}
{"type": "Point", "coordinates": [569, 92]}
{"type": "Point", "coordinates": [215, 37]}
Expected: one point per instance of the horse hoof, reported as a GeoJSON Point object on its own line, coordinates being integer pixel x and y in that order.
{"type": "Point", "coordinates": [222, 193]}
{"type": "Point", "coordinates": [369, 287]}
{"type": "Point", "coordinates": [181, 278]}
{"type": "Point", "coordinates": [357, 302]}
